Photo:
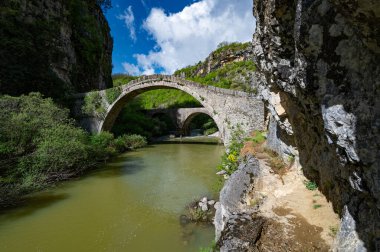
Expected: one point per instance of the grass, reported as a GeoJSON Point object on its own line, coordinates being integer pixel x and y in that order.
{"type": "Point", "coordinates": [310, 185]}
{"type": "Point", "coordinates": [316, 206]}
{"type": "Point", "coordinates": [333, 231]}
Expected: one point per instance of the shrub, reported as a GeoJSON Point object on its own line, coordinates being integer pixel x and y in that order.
{"type": "Point", "coordinates": [112, 94]}
{"type": "Point", "coordinates": [60, 148]}
{"type": "Point", "coordinates": [230, 157]}
{"type": "Point", "coordinates": [134, 141]}
{"type": "Point", "coordinates": [93, 104]}
{"type": "Point", "coordinates": [39, 144]}
{"type": "Point", "coordinates": [102, 145]}
{"type": "Point", "coordinates": [310, 185]}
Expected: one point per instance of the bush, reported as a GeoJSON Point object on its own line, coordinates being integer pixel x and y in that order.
{"type": "Point", "coordinates": [93, 105]}
{"type": "Point", "coordinates": [112, 94]}
{"type": "Point", "coordinates": [310, 185]}
{"type": "Point", "coordinates": [102, 145]}
{"type": "Point", "coordinates": [62, 148]}
{"type": "Point", "coordinates": [133, 141]}
{"type": "Point", "coordinates": [231, 157]}
{"type": "Point", "coordinates": [40, 144]}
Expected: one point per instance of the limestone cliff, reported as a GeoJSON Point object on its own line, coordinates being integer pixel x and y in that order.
{"type": "Point", "coordinates": [319, 73]}
{"type": "Point", "coordinates": [54, 47]}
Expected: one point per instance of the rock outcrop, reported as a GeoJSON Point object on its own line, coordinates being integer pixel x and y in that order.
{"type": "Point", "coordinates": [229, 66]}
{"type": "Point", "coordinates": [54, 47]}
{"type": "Point", "coordinates": [319, 73]}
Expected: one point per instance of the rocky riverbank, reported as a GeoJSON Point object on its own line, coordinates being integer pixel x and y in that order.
{"type": "Point", "coordinates": [260, 210]}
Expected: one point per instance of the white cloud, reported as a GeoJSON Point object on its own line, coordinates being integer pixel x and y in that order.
{"type": "Point", "coordinates": [129, 20]}
{"type": "Point", "coordinates": [188, 36]}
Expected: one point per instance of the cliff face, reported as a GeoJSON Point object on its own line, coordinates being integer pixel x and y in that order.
{"type": "Point", "coordinates": [229, 53]}
{"type": "Point", "coordinates": [318, 69]}
{"type": "Point", "coordinates": [54, 47]}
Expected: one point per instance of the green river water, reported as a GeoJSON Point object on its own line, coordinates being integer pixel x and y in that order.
{"type": "Point", "coordinates": [132, 204]}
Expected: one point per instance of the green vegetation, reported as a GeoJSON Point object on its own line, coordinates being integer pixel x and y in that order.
{"type": "Point", "coordinates": [233, 75]}
{"type": "Point", "coordinates": [167, 98]}
{"type": "Point", "coordinates": [316, 206]}
{"type": "Point", "coordinates": [122, 79]}
{"type": "Point", "coordinates": [257, 137]}
{"type": "Point", "coordinates": [112, 94]}
{"type": "Point", "coordinates": [211, 248]}
{"type": "Point", "coordinates": [235, 46]}
{"type": "Point", "coordinates": [93, 104]}
{"type": "Point", "coordinates": [230, 157]}
{"type": "Point", "coordinates": [333, 231]}
{"type": "Point", "coordinates": [310, 185]}
{"type": "Point", "coordinates": [31, 47]}
{"type": "Point", "coordinates": [163, 98]}
{"type": "Point", "coordinates": [39, 145]}
{"type": "Point", "coordinates": [133, 120]}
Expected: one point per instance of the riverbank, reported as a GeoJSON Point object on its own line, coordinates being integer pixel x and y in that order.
{"type": "Point", "coordinates": [189, 140]}
{"type": "Point", "coordinates": [265, 210]}
{"type": "Point", "coordinates": [40, 145]}
{"type": "Point", "coordinates": [136, 197]}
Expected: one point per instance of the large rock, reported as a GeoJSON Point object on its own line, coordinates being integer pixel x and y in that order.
{"type": "Point", "coordinates": [232, 197]}
{"type": "Point", "coordinates": [319, 60]}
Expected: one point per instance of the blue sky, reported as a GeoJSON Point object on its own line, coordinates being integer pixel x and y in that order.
{"type": "Point", "coordinates": [160, 36]}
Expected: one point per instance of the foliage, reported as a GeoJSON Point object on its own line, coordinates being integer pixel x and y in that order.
{"type": "Point", "coordinates": [257, 137]}
{"type": "Point", "coordinates": [59, 148]}
{"type": "Point", "coordinates": [122, 79]}
{"type": "Point", "coordinates": [133, 141]}
{"type": "Point", "coordinates": [233, 75]}
{"type": "Point", "coordinates": [133, 120]}
{"type": "Point", "coordinates": [211, 248]}
{"type": "Point", "coordinates": [167, 98]}
{"type": "Point", "coordinates": [205, 123]}
{"type": "Point", "coordinates": [25, 50]}
{"type": "Point", "coordinates": [32, 47]}
{"type": "Point", "coordinates": [235, 46]}
{"type": "Point", "coordinates": [231, 156]}
{"type": "Point", "coordinates": [93, 104]}
{"type": "Point", "coordinates": [40, 144]}
{"type": "Point", "coordinates": [316, 206]}
{"type": "Point", "coordinates": [112, 94]}
{"type": "Point", "coordinates": [333, 231]}
{"type": "Point", "coordinates": [310, 185]}
{"type": "Point", "coordinates": [88, 37]}
{"type": "Point", "coordinates": [163, 98]}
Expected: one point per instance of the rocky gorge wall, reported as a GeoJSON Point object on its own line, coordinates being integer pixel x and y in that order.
{"type": "Point", "coordinates": [319, 74]}
{"type": "Point", "coordinates": [54, 47]}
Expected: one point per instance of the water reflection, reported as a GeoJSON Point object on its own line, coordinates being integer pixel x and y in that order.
{"type": "Point", "coordinates": [131, 204]}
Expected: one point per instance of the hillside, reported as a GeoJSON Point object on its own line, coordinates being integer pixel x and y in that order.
{"type": "Point", "coordinates": [54, 47]}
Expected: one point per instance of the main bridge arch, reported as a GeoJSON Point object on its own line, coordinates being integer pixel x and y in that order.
{"type": "Point", "coordinates": [228, 108]}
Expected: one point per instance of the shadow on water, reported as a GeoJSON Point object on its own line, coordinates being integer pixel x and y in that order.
{"type": "Point", "coordinates": [32, 204]}
{"type": "Point", "coordinates": [120, 166]}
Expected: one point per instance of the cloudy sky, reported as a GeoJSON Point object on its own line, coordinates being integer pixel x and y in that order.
{"type": "Point", "coordinates": [160, 36]}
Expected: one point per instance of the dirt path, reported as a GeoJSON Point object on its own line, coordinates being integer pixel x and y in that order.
{"type": "Point", "coordinates": [308, 218]}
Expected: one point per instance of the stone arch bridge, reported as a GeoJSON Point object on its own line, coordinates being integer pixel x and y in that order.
{"type": "Point", "coordinates": [228, 108]}
{"type": "Point", "coordinates": [180, 117]}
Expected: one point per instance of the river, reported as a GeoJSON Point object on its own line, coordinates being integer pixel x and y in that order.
{"type": "Point", "coordinates": [131, 204]}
